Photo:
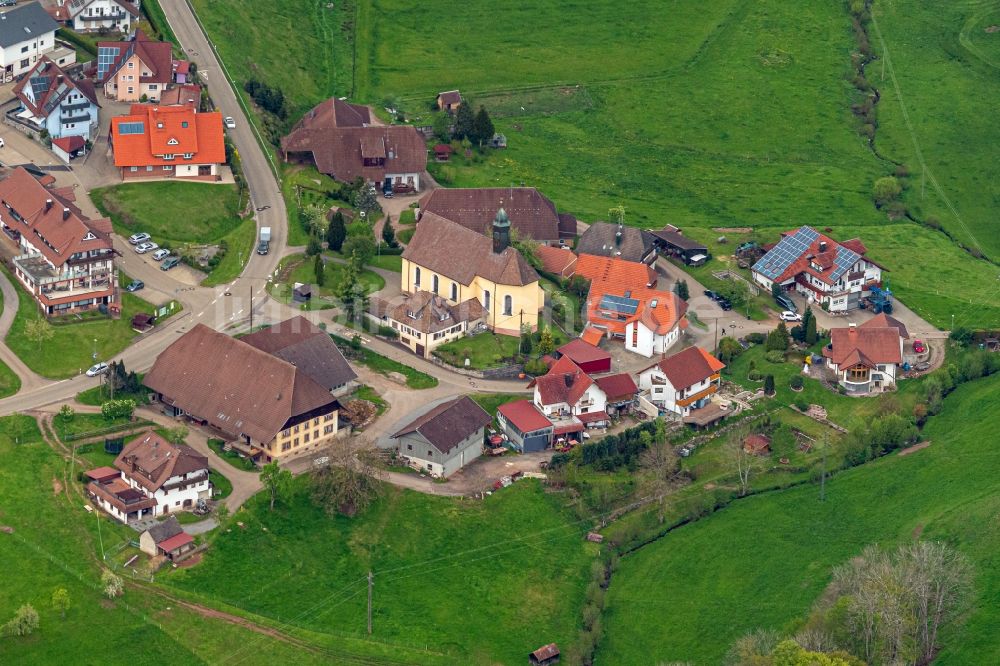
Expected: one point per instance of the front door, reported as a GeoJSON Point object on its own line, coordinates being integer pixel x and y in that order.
{"type": "Point", "coordinates": [420, 350]}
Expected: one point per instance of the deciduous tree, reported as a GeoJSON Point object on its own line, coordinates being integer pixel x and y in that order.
{"type": "Point", "coordinates": [38, 330]}
{"type": "Point", "coordinates": [350, 482]}
{"type": "Point", "coordinates": [60, 601]}
{"type": "Point", "coordinates": [177, 434]}
{"type": "Point", "coordinates": [24, 622]}
{"type": "Point", "coordinates": [275, 480]}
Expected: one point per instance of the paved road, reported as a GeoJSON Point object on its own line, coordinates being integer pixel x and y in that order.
{"type": "Point", "coordinates": [29, 380]}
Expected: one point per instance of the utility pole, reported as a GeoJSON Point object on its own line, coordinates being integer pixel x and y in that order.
{"type": "Point", "coordinates": [251, 307]}
{"type": "Point", "coordinates": [97, 513]}
{"type": "Point", "coordinates": [371, 583]}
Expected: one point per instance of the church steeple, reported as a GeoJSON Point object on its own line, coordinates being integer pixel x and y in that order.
{"type": "Point", "coordinates": [501, 231]}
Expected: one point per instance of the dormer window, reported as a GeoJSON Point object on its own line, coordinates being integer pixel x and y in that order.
{"type": "Point", "coordinates": [168, 156]}
{"type": "Point", "coordinates": [90, 236]}
{"type": "Point", "coordinates": [188, 156]}
{"type": "Point", "coordinates": [172, 141]}
{"type": "Point", "coordinates": [409, 313]}
{"type": "Point", "coordinates": [184, 124]}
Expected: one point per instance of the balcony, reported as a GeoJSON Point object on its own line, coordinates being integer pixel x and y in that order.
{"type": "Point", "coordinates": [106, 15]}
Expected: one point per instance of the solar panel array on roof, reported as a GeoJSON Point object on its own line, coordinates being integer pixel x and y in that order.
{"type": "Point", "coordinates": [39, 86]}
{"type": "Point", "coordinates": [843, 261]}
{"type": "Point", "coordinates": [619, 304]}
{"type": "Point", "coordinates": [55, 98]}
{"type": "Point", "coordinates": [131, 128]}
{"type": "Point", "coordinates": [788, 249]}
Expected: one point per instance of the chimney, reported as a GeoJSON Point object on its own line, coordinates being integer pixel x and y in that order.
{"type": "Point", "coordinates": [48, 205]}
{"type": "Point", "coordinates": [852, 329]}
{"type": "Point", "coordinates": [822, 246]}
{"type": "Point", "coordinates": [65, 213]}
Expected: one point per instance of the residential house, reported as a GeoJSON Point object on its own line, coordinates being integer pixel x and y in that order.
{"type": "Point", "coordinates": [337, 138]}
{"type": "Point", "coordinates": [64, 259]}
{"type": "Point", "coordinates": [592, 360]}
{"type": "Point", "coordinates": [670, 242]}
{"type": "Point", "coordinates": [449, 100]}
{"type": "Point", "coordinates": [624, 304]}
{"type": "Point", "coordinates": [168, 142]}
{"type": "Point", "coordinates": [94, 15]}
{"type": "Point", "coordinates": [616, 240]}
{"type": "Point", "coordinates": [446, 438]}
{"type": "Point", "coordinates": [310, 349]}
{"type": "Point", "coordinates": [53, 102]}
{"type": "Point", "coordinates": [570, 398]}
{"type": "Point", "coordinates": [526, 427]}
{"type": "Point", "coordinates": [136, 70]}
{"type": "Point", "coordinates": [457, 264]}
{"type": "Point", "coordinates": [166, 538]}
{"type": "Point", "coordinates": [835, 275]}
{"type": "Point", "coordinates": [620, 393]}
{"type": "Point", "coordinates": [683, 384]}
{"type": "Point", "coordinates": [155, 478]}
{"type": "Point", "coordinates": [264, 406]}
{"type": "Point", "coordinates": [866, 358]}
{"type": "Point", "coordinates": [557, 261]}
{"type": "Point", "coordinates": [27, 34]}
{"type": "Point", "coordinates": [531, 213]}
{"type": "Point", "coordinates": [426, 321]}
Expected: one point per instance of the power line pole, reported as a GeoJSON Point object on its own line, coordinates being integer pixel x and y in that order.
{"type": "Point", "coordinates": [371, 583]}
{"type": "Point", "coordinates": [822, 476]}
{"type": "Point", "coordinates": [251, 307]}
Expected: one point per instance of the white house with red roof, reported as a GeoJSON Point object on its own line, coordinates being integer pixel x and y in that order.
{"type": "Point", "coordinates": [168, 142]}
{"type": "Point", "coordinates": [683, 384]}
{"type": "Point", "coordinates": [866, 358]}
{"type": "Point", "coordinates": [151, 477]}
{"type": "Point", "coordinates": [93, 15]}
{"type": "Point", "coordinates": [65, 260]}
{"type": "Point", "coordinates": [833, 274]}
{"type": "Point", "coordinates": [568, 397]}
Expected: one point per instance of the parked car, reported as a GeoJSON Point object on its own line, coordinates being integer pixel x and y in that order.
{"type": "Point", "coordinates": [711, 294]}
{"type": "Point", "coordinates": [143, 248]}
{"type": "Point", "coordinates": [230, 123]}
{"type": "Point", "coordinates": [135, 239]}
{"type": "Point", "coordinates": [725, 304]}
{"type": "Point", "coordinates": [169, 263]}
{"type": "Point", "coordinates": [918, 347]}
{"type": "Point", "coordinates": [785, 302]}
{"type": "Point", "coordinates": [135, 285]}
{"type": "Point", "coordinates": [97, 369]}
{"type": "Point", "coordinates": [788, 315]}
{"type": "Point", "coordinates": [161, 254]}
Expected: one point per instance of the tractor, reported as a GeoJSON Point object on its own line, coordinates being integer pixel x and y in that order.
{"type": "Point", "coordinates": [880, 299]}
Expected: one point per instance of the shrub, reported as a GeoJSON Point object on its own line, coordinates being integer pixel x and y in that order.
{"type": "Point", "coordinates": [796, 382]}
{"type": "Point", "coordinates": [111, 584]}
{"type": "Point", "coordinates": [769, 384]}
{"type": "Point", "coordinates": [775, 356]}
{"type": "Point", "coordinates": [24, 622]}
{"type": "Point", "coordinates": [388, 332]}
{"type": "Point", "coordinates": [536, 367]}
{"type": "Point", "coordinates": [118, 409]}
{"type": "Point", "coordinates": [800, 404]}
{"type": "Point", "coordinates": [756, 338]}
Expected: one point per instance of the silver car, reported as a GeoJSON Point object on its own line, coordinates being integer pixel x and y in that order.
{"type": "Point", "coordinates": [143, 248]}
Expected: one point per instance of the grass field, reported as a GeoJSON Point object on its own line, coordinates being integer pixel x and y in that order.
{"type": "Point", "coordinates": [69, 351]}
{"type": "Point", "coordinates": [763, 561]}
{"type": "Point", "coordinates": [938, 86]}
{"type": "Point", "coordinates": [435, 560]}
{"type": "Point", "coordinates": [55, 543]}
{"type": "Point", "coordinates": [10, 383]}
{"type": "Point", "coordinates": [82, 424]}
{"type": "Point", "coordinates": [241, 242]}
{"type": "Point", "coordinates": [487, 350]}
{"type": "Point", "coordinates": [322, 297]}
{"type": "Point", "coordinates": [198, 212]}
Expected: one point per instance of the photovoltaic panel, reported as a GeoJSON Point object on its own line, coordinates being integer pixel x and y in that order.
{"type": "Point", "coordinates": [131, 128]}
{"type": "Point", "coordinates": [619, 304]}
{"type": "Point", "coordinates": [786, 252]}
{"type": "Point", "coordinates": [843, 261]}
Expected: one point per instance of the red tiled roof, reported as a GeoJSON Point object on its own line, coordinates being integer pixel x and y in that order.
{"type": "Point", "coordinates": [565, 382]}
{"type": "Point", "coordinates": [618, 386]}
{"type": "Point", "coordinates": [182, 66]}
{"type": "Point", "coordinates": [757, 443]}
{"type": "Point", "coordinates": [688, 367]}
{"type": "Point", "coordinates": [69, 143]}
{"type": "Point", "coordinates": [332, 113]}
{"type": "Point", "coordinates": [175, 542]}
{"type": "Point", "coordinates": [150, 460]}
{"type": "Point", "coordinates": [583, 352]}
{"type": "Point", "coordinates": [175, 130]}
{"type": "Point", "coordinates": [450, 97]}
{"type": "Point", "coordinates": [103, 474]}
{"type": "Point", "coordinates": [863, 346]}
{"type": "Point", "coordinates": [883, 320]}
{"type": "Point", "coordinates": [188, 94]}
{"type": "Point", "coordinates": [617, 274]}
{"type": "Point", "coordinates": [658, 311]}
{"type": "Point", "coordinates": [592, 336]}
{"type": "Point", "coordinates": [556, 260]}
{"type": "Point", "coordinates": [593, 417]}
{"type": "Point", "coordinates": [65, 232]}
{"type": "Point", "coordinates": [524, 415]}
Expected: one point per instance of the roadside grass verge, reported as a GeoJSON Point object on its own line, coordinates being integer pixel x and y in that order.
{"type": "Point", "coordinates": [385, 365]}
{"type": "Point", "coordinates": [240, 242]}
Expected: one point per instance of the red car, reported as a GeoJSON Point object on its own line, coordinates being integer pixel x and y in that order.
{"type": "Point", "coordinates": [918, 347]}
